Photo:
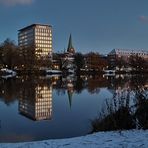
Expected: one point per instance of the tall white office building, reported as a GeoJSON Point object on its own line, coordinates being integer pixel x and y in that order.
{"type": "Point", "coordinates": [37, 36]}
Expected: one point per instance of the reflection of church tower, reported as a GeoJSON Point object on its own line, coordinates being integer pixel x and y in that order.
{"type": "Point", "coordinates": [38, 105]}
{"type": "Point", "coordinates": [70, 91]}
{"type": "Point", "coordinates": [70, 48]}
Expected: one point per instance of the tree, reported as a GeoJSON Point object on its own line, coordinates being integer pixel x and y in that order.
{"type": "Point", "coordinates": [138, 63]}
{"type": "Point", "coordinates": [1, 55]}
{"type": "Point", "coordinates": [44, 62]}
{"type": "Point", "coordinates": [95, 61]}
{"type": "Point", "coordinates": [79, 61]}
{"type": "Point", "coordinates": [121, 63]}
{"type": "Point", "coordinates": [9, 54]}
{"type": "Point", "coordinates": [58, 60]}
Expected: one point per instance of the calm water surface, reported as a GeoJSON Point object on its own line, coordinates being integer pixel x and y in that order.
{"type": "Point", "coordinates": [37, 108]}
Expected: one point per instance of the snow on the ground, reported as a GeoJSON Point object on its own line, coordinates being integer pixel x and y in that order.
{"type": "Point", "coordinates": [8, 71]}
{"type": "Point", "coordinates": [53, 71]}
{"type": "Point", "coordinates": [124, 139]}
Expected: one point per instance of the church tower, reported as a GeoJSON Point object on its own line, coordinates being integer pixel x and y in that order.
{"type": "Point", "coordinates": [70, 48]}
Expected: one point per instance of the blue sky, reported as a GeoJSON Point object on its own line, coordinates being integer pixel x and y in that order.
{"type": "Point", "coordinates": [96, 25]}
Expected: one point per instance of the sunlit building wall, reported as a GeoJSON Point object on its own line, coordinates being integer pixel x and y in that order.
{"type": "Point", "coordinates": [37, 36]}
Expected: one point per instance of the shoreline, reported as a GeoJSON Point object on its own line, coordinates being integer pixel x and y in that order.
{"type": "Point", "coordinates": [120, 139]}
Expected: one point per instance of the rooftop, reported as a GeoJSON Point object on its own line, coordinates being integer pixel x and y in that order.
{"type": "Point", "coordinates": [119, 50]}
{"type": "Point", "coordinates": [33, 25]}
{"type": "Point", "coordinates": [70, 47]}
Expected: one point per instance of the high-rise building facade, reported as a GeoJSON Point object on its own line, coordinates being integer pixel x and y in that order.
{"type": "Point", "coordinates": [37, 36]}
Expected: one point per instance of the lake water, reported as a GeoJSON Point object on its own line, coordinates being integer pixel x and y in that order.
{"type": "Point", "coordinates": [39, 108]}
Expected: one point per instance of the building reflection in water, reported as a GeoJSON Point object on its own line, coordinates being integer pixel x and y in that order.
{"type": "Point", "coordinates": [36, 103]}
{"type": "Point", "coordinates": [36, 94]}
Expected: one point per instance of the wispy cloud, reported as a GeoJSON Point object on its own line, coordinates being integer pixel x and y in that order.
{"type": "Point", "coordinates": [143, 19]}
{"type": "Point", "coordinates": [16, 2]}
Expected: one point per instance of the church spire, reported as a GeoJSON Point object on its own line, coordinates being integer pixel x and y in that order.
{"type": "Point", "coordinates": [70, 47]}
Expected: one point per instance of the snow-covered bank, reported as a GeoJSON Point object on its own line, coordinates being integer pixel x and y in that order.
{"type": "Point", "coordinates": [7, 73]}
{"type": "Point", "coordinates": [53, 71]}
{"type": "Point", "coordinates": [125, 139]}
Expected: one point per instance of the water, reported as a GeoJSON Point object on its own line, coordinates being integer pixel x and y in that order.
{"type": "Point", "coordinates": [39, 108]}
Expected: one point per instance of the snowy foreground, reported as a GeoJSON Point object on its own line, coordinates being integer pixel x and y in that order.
{"type": "Point", "coordinates": [125, 139]}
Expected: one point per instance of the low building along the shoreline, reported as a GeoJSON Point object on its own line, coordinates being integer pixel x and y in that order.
{"type": "Point", "coordinates": [122, 56]}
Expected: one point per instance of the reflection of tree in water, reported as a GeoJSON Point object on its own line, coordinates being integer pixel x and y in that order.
{"type": "Point", "coordinates": [95, 83]}
{"type": "Point", "coordinates": [9, 90]}
{"type": "Point", "coordinates": [128, 108]}
{"type": "Point", "coordinates": [76, 84]}
{"type": "Point", "coordinates": [116, 82]}
{"type": "Point", "coordinates": [59, 86]}
{"type": "Point", "coordinates": [12, 88]}
{"type": "Point", "coordinates": [33, 93]}
{"type": "Point", "coordinates": [90, 83]}
{"type": "Point", "coordinates": [79, 85]}
{"type": "Point", "coordinates": [27, 90]}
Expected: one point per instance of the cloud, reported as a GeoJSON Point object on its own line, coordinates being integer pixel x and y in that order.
{"type": "Point", "coordinates": [143, 19]}
{"type": "Point", "coordinates": [16, 2]}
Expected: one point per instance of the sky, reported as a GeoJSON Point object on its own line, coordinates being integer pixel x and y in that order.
{"type": "Point", "coordinates": [95, 25]}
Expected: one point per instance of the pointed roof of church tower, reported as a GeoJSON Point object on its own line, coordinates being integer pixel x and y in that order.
{"type": "Point", "coordinates": [70, 47]}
